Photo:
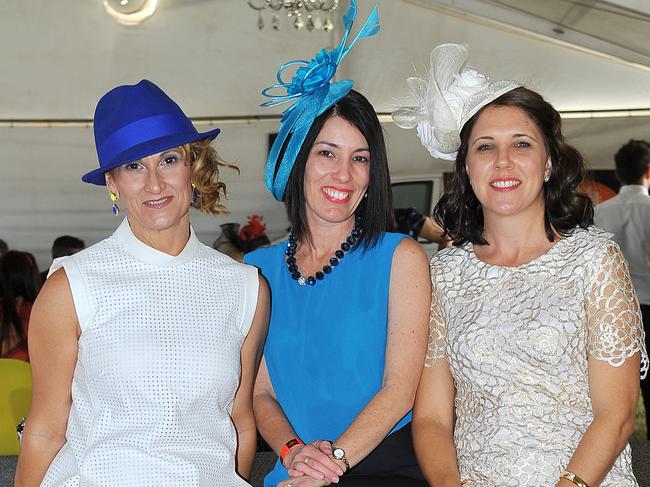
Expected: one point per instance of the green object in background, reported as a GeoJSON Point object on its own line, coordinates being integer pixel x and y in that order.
{"type": "Point", "coordinates": [15, 400]}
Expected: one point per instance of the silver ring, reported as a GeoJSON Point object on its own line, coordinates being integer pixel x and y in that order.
{"type": "Point", "coordinates": [306, 460]}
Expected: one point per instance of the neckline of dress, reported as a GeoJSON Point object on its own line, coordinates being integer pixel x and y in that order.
{"type": "Point", "coordinates": [551, 251]}
{"type": "Point", "coordinates": [351, 255]}
{"type": "Point", "coordinates": [149, 255]}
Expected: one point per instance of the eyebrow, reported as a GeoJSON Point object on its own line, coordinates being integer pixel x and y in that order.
{"type": "Point", "coordinates": [489, 137]}
{"type": "Point", "coordinates": [162, 155]}
{"type": "Point", "coordinates": [336, 146]}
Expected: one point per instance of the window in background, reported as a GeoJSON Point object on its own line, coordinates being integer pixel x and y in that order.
{"type": "Point", "coordinates": [414, 194]}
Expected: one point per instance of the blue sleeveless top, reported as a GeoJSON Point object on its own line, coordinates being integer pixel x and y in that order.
{"type": "Point", "coordinates": [326, 343]}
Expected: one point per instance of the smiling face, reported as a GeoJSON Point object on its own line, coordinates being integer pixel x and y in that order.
{"type": "Point", "coordinates": [507, 162]}
{"type": "Point", "coordinates": [156, 191]}
{"type": "Point", "coordinates": [337, 173]}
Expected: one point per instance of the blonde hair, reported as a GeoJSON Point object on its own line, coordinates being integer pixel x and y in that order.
{"type": "Point", "coordinates": [205, 164]}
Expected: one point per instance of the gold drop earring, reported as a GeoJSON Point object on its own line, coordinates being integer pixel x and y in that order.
{"type": "Point", "coordinates": [195, 194]}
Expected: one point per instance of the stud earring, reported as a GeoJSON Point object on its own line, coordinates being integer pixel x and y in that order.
{"type": "Point", "coordinates": [546, 178]}
{"type": "Point", "coordinates": [116, 209]}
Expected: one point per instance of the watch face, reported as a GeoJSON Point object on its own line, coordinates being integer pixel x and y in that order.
{"type": "Point", "coordinates": [338, 453]}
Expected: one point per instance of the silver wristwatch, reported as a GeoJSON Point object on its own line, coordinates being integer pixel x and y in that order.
{"type": "Point", "coordinates": [339, 454]}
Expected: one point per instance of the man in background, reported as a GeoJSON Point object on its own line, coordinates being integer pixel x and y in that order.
{"type": "Point", "coordinates": [62, 246]}
{"type": "Point", "coordinates": [627, 216]}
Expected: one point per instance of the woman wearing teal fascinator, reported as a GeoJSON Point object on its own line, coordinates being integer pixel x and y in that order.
{"type": "Point", "coordinates": [350, 299]}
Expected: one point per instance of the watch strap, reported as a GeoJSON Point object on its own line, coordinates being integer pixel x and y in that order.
{"type": "Point", "coordinates": [343, 459]}
{"type": "Point", "coordinates": [288, 446]}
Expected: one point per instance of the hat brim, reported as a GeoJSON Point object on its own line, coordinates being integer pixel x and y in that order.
{"type": "Point", "coordinates": [143, 150]}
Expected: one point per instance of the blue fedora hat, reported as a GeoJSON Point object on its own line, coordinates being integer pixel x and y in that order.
{"type": "Point", "coordinates": [135, 121]}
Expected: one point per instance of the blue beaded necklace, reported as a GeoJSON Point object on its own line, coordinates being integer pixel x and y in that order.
{"type": "Point", "coordinates": [292, 265]}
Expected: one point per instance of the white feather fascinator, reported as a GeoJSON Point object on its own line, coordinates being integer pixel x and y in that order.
{"type": "Point", "coordinates": [447, 100]}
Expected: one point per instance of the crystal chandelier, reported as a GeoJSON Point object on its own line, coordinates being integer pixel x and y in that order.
{"type": "Point", "coordinates": [305, 13]}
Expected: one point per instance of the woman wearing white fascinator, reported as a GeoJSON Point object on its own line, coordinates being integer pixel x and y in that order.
{"type": "Point", "coordinates": [535, 333]}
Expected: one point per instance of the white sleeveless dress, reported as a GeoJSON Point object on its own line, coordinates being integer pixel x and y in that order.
{"type": "Point", "coordinates": [158, 365]}
{"type": "Point", "coordinates": [517, 340]}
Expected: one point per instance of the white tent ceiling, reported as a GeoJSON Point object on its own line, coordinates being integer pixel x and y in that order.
{"type": "Point", "coordinates": [59, 57]}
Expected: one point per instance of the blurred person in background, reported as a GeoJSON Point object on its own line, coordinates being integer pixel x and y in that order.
{"type": "Point", "coordinates": [19, 286]}
{"type": "Point", "coordinates": [62, 246]}
{"type": "Point", "coordinates": [627, 216]}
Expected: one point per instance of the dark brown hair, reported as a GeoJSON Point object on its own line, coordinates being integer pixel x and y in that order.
{"type": "Point", "coordinates": [19, 277]}
{"type": "Point", "coordinates": [632, 161]}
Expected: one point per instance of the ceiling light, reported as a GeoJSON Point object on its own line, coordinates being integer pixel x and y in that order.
{"type": "Point", "coordinates": [130, 12]}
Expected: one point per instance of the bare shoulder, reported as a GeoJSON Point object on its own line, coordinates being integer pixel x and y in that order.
{"type": "Point", "coordinates": [54, 305]}
{"type": "Point", "coordinates": [261, 319]}
{"type": "Point", "coordinates": [410, 253]}
{"type": "Point", "coordinates": [410, 266]}
{"type": "Point", "coordinates": [264, 293]}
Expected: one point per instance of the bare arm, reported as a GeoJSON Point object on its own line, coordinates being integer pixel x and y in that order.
{"type": "Point", "coordinates": [433, 414]}
{"type": "Point", "coordinates": [433, 426]}
{"type": "Point", "coordinates": [432, 231]}
{"type": "Point", "coordinates": [53, 336]}
{"type": "Point", "coordinates": [276, 429]}
{"type": "Point", "coordinates": [613, 313]}
{"type": "Point", "coordinates": [614, 393]}
{"type": "Point", "coordinates": [408, 315]}
{"type": "Point", "coordinates": [242, 411]}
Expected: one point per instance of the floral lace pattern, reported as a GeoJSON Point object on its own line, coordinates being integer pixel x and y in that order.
{"type": "Point", "coordinates": [517, 340]}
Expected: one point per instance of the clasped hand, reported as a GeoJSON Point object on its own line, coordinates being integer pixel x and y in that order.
{"type": "Point", "coordinates": [311, 465]}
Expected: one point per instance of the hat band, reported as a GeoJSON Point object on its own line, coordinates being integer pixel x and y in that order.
{"type": "Point", "coordinates": [141, 131]}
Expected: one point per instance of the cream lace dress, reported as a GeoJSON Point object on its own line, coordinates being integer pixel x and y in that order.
{"type": "Point", "coordinates": [517, 341]}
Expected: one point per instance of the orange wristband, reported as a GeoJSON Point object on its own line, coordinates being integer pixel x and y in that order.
{"type": "Point", "coordinates": [288, 446]}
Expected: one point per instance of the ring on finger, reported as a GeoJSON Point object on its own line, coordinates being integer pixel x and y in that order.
{"type": "Point", "coordinates": [306, 460]}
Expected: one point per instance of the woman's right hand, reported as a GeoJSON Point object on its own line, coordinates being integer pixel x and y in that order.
{"type": "Point", "coordinates": [311, 460]}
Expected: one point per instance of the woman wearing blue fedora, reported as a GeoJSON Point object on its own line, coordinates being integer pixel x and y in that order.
{"type": "Point", "coordinates": [145, 346]}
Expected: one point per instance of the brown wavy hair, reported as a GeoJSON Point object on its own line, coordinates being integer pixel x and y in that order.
{"type": "Point", "coordinates": [460, 213]}
{"type": "Point", "coordinates": [205, 165]}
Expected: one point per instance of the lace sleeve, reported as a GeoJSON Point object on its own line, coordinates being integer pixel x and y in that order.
{"type": "Point", "coordinates": [615, 327]}
{"type": "Point", "coordinates": [437, 329]}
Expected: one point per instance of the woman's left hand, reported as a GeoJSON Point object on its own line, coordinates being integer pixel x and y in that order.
{"type": "Point", "coordinates": [304, 481]}
{"type": "Point", "coordinates": [313, 460]}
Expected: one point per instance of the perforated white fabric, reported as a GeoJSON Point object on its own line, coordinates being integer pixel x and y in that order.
{"type": "Point", "coordinates": [517, 341]}
{"type": "Point", "coordinates": [158, 365]}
